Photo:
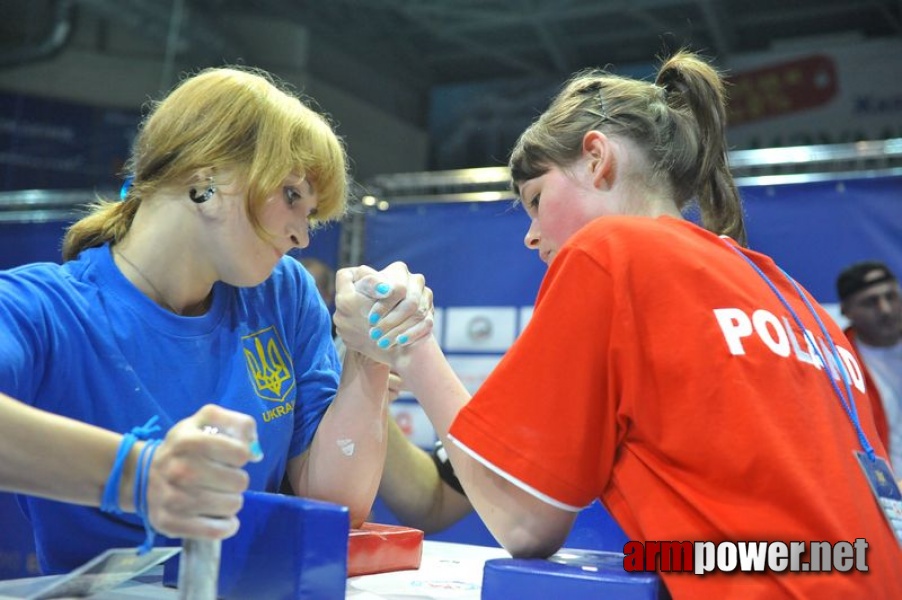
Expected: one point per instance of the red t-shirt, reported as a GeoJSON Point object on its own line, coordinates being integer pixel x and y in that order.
{"type": "Point", "coordinates": [873, 392]}
{"type": "Point", "coordinates": [660, 374]}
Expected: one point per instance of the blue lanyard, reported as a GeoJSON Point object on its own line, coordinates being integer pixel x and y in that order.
{"type": "Point", "coordinates": [844, 399]}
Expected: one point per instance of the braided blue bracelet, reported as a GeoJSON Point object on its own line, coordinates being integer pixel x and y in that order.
{"type": "Point", "coordinates": [109, 501]}
{"type": "Point", "coordinates": [141, 476]}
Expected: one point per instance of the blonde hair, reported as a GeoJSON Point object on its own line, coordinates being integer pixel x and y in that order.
{"type": "Point", "coordinates": [233, 118]}
{"type": "Point", "coordinates": [678, 122]}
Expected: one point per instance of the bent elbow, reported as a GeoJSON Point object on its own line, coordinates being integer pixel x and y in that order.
{"type": "Point", "coordinates": [358, 519]}
{"type": "Point", "coordinates": [359, 513]}
{"type": "Point", "coordinates": [535, 550]}
{"type": "Point", "coordinates": [526, 545]}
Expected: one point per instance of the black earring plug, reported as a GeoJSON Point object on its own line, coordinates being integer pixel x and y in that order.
{"type": "Point", "coordinates": [201, 198]}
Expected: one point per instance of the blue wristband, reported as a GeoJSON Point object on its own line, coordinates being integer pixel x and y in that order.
{"type": "Point", "coordinates": [141, 476]}
{"type": "Point", "coordinates": [109, 501]}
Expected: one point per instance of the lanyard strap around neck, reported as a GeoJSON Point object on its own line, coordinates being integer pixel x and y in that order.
{"type": "Point", "coordinates": [844, 399]}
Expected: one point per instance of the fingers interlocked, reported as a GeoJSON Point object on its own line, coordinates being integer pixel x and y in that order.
{"type": "Point", "coordinates": [377, 312]}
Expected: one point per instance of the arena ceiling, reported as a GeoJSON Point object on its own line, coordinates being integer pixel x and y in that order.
{"type": "Point", "coordinates": [446, 41]}
{"type": "Point", "coordinates": [433, 42]}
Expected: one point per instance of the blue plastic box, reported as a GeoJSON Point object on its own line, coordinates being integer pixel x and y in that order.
{"type": "Point", "coordinates": [287, 548]}
{"type": "Point", "coordinates": [570, 574]}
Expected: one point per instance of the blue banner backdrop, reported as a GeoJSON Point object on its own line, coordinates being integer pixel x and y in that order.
{"type": "Point", "coordinates": [813, 230]}
{"type": "Point", "coordinates": [54, 144]}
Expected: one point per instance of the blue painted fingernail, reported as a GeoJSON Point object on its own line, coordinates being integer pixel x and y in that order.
{"type": "Point", "coordinates": [256, 450]}
{"type": "Point", "coordinates": [383, 288]}
{"type": "Point", "coordinates": [403, 339]}
{"type": "Point", "coordinates": [375, 333]}
{"type": "Point", "coordinates": [384, 343]}
{"type": "Point", "coordinates": [374, 318]}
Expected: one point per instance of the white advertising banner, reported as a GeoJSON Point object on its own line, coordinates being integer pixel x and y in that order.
{"type": "Point", "coordinates": [479, 328]}
{"type": "Point", "coordinates": [828, 95]}
{"type": "Point", "coordinates": [473, 370]}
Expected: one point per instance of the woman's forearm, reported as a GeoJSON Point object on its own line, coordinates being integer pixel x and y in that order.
{"type": "Point", "coordinates": [523, 524]}
{"type": "Point", "coordinates": [47, 455]}
{"type": "Point", "coordinates": [412, 489]}
{"type": "Point", "coordinates": [344, 463]}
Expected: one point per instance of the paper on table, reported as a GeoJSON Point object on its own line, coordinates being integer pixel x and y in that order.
{"type": "Point", "coordinates": [101, 573]}
{"type": "Point", "coordinates": [447, 571]}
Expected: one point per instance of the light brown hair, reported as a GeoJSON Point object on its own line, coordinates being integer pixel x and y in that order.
{"type": "Point", "coordinates": [678, 122]}
{"type": "Point", "coordinates": [233, 118]}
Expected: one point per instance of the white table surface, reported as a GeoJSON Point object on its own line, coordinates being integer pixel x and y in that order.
{"type": "Point", "coordinates": [447, 571]}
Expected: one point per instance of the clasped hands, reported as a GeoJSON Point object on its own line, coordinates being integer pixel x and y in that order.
{"type": "Point", "coordinates": [380, 313]}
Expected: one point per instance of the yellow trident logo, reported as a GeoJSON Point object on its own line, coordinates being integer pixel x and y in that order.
{"type": "Point", "coordinates": [266, 364]}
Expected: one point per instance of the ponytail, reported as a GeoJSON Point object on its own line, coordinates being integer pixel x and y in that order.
{"type": "Point", "coordinates": [107, 222]}
{"type": "Point", "coordinates": [696, 153]}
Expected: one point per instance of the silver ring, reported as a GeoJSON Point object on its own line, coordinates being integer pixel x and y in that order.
{"type": "Point", "coordinates": [210, 429]}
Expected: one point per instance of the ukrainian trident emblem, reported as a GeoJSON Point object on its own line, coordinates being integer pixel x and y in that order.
{"type": "Point", "coordinates": [268, 365]}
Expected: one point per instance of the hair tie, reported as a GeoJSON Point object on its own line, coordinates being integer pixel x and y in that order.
{"type": "Point", "coordinates": [126, 186]}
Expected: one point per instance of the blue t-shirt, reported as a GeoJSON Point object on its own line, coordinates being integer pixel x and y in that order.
{"type": "Point", "coordinates": [80, 340]}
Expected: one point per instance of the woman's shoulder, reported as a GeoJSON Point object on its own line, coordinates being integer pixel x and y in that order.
{"type": "Point", "coordinates": [48, 282]}
{"type": "Point", "coordinates": [654, 245]}
{"type": "Point", "coordinates": [35, 276]}
{"type": "Point", "coordinates": [626, 231]}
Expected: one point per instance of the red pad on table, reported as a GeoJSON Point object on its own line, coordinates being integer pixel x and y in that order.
{"type": "Point", "coordinates": [376, 548]}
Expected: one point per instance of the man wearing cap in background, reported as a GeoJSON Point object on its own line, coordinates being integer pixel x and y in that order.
{"type": "Point", "coordinates": [871, 299]}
